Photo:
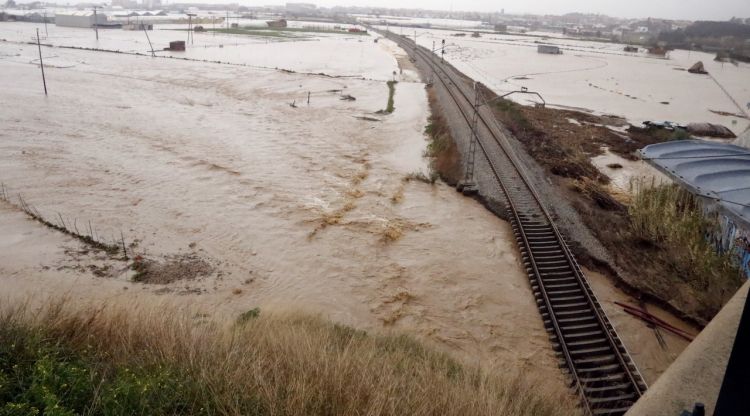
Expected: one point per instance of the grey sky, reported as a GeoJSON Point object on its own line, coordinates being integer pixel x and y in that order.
{"type": "Point", "coordinates": [672, 9]}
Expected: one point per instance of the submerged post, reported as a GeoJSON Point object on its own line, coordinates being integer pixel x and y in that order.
{"type": "Point", "coordinates": [96, 24]}
{"type": "Point", "coordinates": [153, 54]}
{"type": "Point", "coordinates": [41, 63]}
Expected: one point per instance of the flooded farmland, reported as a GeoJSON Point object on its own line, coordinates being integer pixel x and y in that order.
{"type": "Point", "coordinates": [270, 169]}
{"type": "Point", "coordinates": [292, 207]}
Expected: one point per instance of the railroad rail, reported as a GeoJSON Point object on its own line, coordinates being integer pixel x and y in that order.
{"type": "Point", "coordinates": [587, 345]}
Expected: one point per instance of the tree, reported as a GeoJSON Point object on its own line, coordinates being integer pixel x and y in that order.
{"type": "Point", "coordinates": [10, 4]}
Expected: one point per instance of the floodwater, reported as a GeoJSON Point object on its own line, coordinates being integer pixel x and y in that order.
{"type": "Point", "coordinates": [602, 78]}
{"type": "Point", "coordinates": [625, 174]}
{"type": "Point", "coordinates": [342, 55]}
{"type": "Point", "coordinates": [300, 207]}
{"type": "Point", "coordinates": [294, 205]}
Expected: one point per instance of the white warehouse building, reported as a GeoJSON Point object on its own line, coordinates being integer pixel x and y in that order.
{"type": "Point", "coordinates": [82, 18]}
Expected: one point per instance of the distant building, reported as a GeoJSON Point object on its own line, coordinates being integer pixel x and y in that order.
{"type": "Point", "coordinates": [176, 45]}
{"type": "Point", "coordinates": [138, 26]}
{"type": "Point", "coordinates": [638, 38]}
{"type": "Point", "coordinates": [81, 18]}
{"type": "Point", "coordinates": [549, 49]}
{"type": "Point", "coordinates": [281, 23]}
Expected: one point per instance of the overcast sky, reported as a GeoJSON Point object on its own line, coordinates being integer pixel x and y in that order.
{"type": "Point", "coordinates": [673, 9]}
{"type": "Point", "coordinates": [670, 9]}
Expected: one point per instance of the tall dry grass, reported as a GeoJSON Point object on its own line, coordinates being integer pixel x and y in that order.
{"type": "Point", "coordinates": [264, 365]}
{"type": "Point", "coordinates": [445, 158]}
{"type": "Point", "coordinates": [671, 217]}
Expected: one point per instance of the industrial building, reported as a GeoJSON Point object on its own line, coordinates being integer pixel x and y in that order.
{"type": "Point", "coordinates": [81, 18]}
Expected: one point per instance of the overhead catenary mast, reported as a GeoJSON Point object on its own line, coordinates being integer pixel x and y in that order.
{"type": "Point", "coordinates": [96, 23]}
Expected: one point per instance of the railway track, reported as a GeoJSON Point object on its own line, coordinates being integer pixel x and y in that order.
{"type": "Point", "coordinates": [590, 352]}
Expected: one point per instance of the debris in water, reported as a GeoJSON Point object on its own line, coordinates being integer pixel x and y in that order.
{"type": "Point", "coordinates": [365, 118]}
{"type": "Point", "coordinates": [698, 68]}
{"type": "Point", "coordinates": [182, 267]}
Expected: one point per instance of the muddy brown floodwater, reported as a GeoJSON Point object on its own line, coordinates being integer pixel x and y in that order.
{"type": "Point", "coordinates": [300, 207]}
{"type": "Point", "coordinates": [276, 206]}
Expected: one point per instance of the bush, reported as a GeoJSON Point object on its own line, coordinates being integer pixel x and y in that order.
{"type": "Point", "coordinates": [391, 92]}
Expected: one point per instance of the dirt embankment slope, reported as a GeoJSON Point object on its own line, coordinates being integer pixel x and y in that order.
{"type": "Point", "coordinates": [560, 145]}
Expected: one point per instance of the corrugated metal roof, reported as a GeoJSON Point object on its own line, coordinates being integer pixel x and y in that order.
{"type": "Point", "coordinates": [714, 170]}
{"type": "Point", "coordinates": [84, 13]}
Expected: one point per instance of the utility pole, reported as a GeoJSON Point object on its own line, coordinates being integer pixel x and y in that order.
{"type": "Point", "coordinates": [191, 36]}
{"type": "Point", "coordinates": [96, 23]}
{"type": "Point", "coordinates": [153, 54]}
{"type": "Point", "coordinates": [227, 18]}
{"type": "Point", "coordinates": [469, 174]}
{"type": "Point", "coordinates": [442, 52]}
{"type": "Point", "coordinates": [41, 63]}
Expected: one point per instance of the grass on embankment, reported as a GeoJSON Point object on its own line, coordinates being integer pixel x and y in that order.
{"type": "Point", "coordinates": [671, 220]}
{"type": "Point", "coordinates": [97, 360]}
{"type": "Point", "coordinates": [445, 159]}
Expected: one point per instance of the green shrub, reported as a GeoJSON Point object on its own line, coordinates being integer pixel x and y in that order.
{"type": "Point", "coordinates": [391, 92]}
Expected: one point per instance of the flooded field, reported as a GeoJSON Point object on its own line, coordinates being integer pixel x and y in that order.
{"type": "Point", "coordinates": [301, 207]}
{"type": "Point", "coordinates": [601, 78]}
{"type": "Point", "coordinates": [333, 54]}
{"type": "Point", "coordinates": [263, 199]}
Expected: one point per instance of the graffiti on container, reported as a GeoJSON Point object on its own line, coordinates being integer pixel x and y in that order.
{"type": "Point", "coordinates": [731, 239]}
{"type": "Point", "coordinates": [742, 246]}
